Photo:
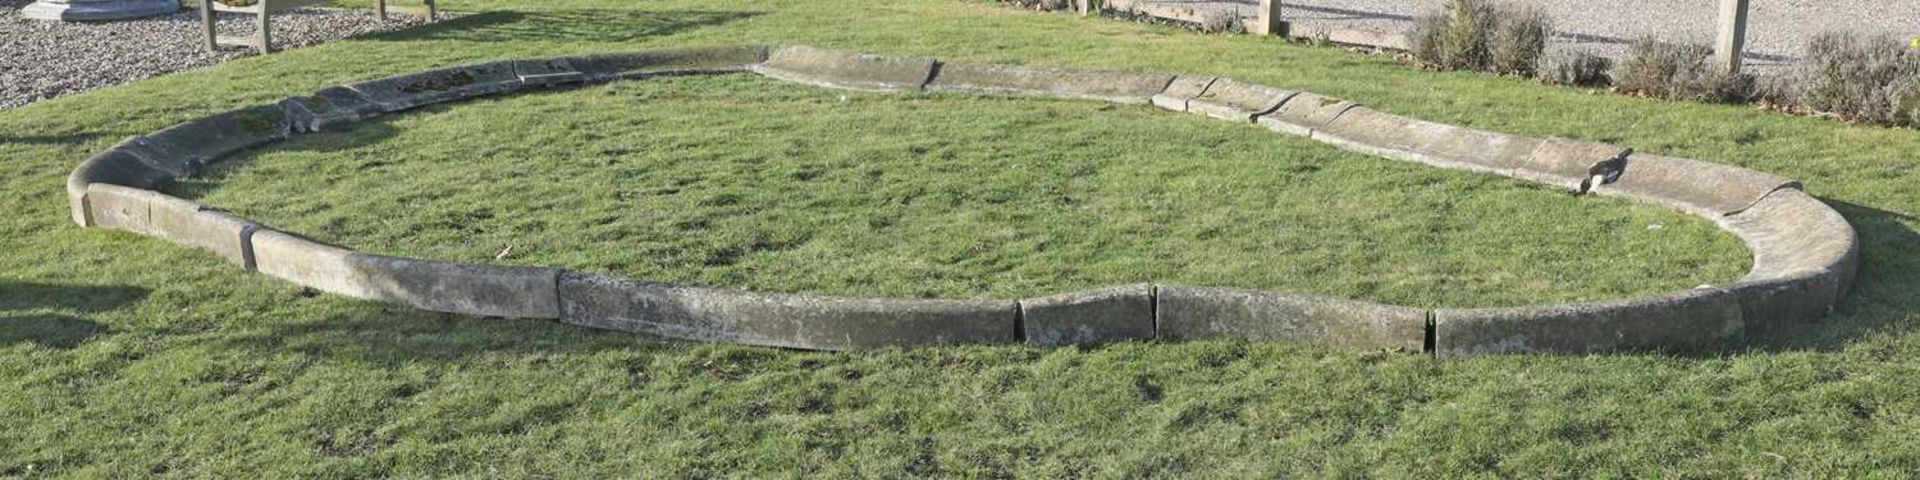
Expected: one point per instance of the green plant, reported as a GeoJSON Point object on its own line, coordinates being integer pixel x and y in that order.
{"type": "Point", "coordinates": [1859, 77]}
{"type": "Point", "coordinates": [1482, 35]}
{"type": "Point", "coordinates": [1519, 38]}
{"type": "Point", "coordinates": [1679, 71]}
{"type": "Point", "coordinates": [1223, 21]}
{"type": "Point", "coordinates": [1578, 68]}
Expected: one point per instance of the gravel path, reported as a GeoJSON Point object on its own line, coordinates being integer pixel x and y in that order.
{"type": "Point", "coordinates": [45, 59]}
{"type": "Point", "coordinates": [1776, 31]}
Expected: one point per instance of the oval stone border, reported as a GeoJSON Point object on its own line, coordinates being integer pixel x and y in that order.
{"type": "Point", "coordinates": [1804, 253]}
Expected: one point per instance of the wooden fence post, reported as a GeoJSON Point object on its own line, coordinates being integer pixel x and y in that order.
{"type": "Point", "coordinates": [1733, 34]}
{"type": "Point", "coordinates": [1269, 21]}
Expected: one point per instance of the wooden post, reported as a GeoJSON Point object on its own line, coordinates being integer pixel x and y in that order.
{"type": "Point", "coordinates": [434, 10]}
{"type": "Point", "coordinates": [207, 21]}
{"type": "Point", "coordinates": [1733, 34]}
{"type": "Point", "coordinates": [1269, 21]}
{"type": "Point", "coordinates": [1084, 6]}
{"type": "Point", "coordinates": [380, 10]}
{"type": "Point", "coordinates": [266, 27]}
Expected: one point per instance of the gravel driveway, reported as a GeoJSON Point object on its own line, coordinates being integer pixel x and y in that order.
{"type": "Point", "coordinates": [1775, 35]}
{"type": "Point", "coordinates": [45, 59]}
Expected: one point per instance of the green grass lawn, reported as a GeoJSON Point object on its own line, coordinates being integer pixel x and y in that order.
{"type": "Point", "coordinates": [121, 355]}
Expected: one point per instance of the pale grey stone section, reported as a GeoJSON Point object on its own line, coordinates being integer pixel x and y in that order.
{"type": "Point", "coordinates": [676, 61]}
{"type": "Point", "coordinates": [1304, 113]}
{"type": "Point", "coordinates": [1182, 90]}
{"type": "Point", "coordinates": [97, 10]}
{"type": "Point", "coordinates": [415, 90]}
{"type": "Point", "coordinates": [204, 141]}
{"type": "Point", "coordinates": [327, 108]}
{"type": "Point", "coordinates": [1093, 317]}
{"type": "Point", "coordinates": [536, 72]}
{"type": "Point", "coordinates": [1373, 132]}
{"type": "Point", "coordinates": [1229, 99]}
{"type": "Point", "coordinates": [1680, 319]}
{"type": "Point", "coordinates": [1201, 313]}
{"type": "Point", "coordinates": [1565, 163]}
{"type": "Point", "coordinates": [115, 167]}
{"type": "Point", "coordinates": [1805, 256]}
{"type": "Point", "coordinates": [840, 69]}
{"type": "Point", "coordinates": [168, 218]}
{"type": "Point", "coordinates": [1705, 189]}
{"type": "Point", "coordinates": [781, 320]}
{"type": "Point", "coordinates": [486, 290]}
{"type": "Point", "coordinates": [1118, 87]}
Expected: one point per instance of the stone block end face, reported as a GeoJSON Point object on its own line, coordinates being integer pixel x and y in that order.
{"type": "Point", "coordinates": [414, 90]}
{"type": "Point", "coordinates": [485, 290]}
{"type": "Point", "coordinates": [1118, 87]}
{"type": "Point", "coordinates": [1088, 318]}
{"type": "Point", "coordinates": [1707, 189]}
{"type": "Point", "coordinates": [534, 72]}
{"type": "Point", "coordinates": [842, 69]}
{"type": "Point", "coordinates": [328, 107]}
{"type": "Point", "coordinates": [1689, 318]}
{"type": "Point", "coordinates": [1230, 99]}
{"type": "Point", "coordinates": [1199, 313]}
{"type": "Point", "coordinates": [781, 320]}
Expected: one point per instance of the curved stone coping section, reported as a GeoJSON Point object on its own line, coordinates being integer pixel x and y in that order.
{"type": "Point", "coordinates": [1804, 253]}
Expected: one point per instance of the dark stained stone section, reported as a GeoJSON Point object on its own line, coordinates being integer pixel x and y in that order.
{"type": "Point", "coordinates": [327, 108]}
{"type": "Point", "coordinates": [675, 61]}
{"type": "Point", "coordinates": [1093, 317]}
{"type": "Point", "coordinates": [410, 91]}
{"type": "Point", "coordinates": [1681, 319]}
{"type": "Point", "coordinates": [781, 320]}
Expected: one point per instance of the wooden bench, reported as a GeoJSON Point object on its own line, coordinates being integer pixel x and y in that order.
{"type": "Point", "coordinates": [263, 11]}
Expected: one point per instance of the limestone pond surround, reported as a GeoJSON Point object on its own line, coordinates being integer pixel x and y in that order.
{"type": "Point", "coordinates": [1804, 253]}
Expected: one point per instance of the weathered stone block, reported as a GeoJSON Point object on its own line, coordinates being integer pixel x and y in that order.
{"type": "Point", "coordinates": [1707, 189]}
{"type": "Point", "coordinates": [1681, 319]}
{"type": "Point", "coordinates": [204, 141]}
{"type": "Point", "coordinates": [612, 66]}
{"type": "Point", "coordinates": [1304, 113]}
{"type": "Point", "coordinates": [1197, 313]}
{"type": "Point", "coordinates": [410, 91]}
{"type": "Point", "coordinates": [1119, 87]}
{"type": "Point", "coordinates": [161, 216]}
{"type": "Point", "coordinates": [547, 71]}
{"type": "Point", "coordinates": [834, 68]}
{"type": "Point", "coordinates": [1797, 299]}
{"type": "Point", "coordinates": [1792, 233]}
{"type": "Point", "coordinates": [782, 320]}
{"type": "Point", "coordinates": [1093, 317]}
{"type": "Point", "coordinates": [487, 290]}
{"type": "Point", "coordinates": [115, 167]}
{"type": "Point", "coordinates": [327, 108]}
{"type": "Point", "coordinates": [1229, 99]}
{"type": "Point", "coordinates": [1180, 91]}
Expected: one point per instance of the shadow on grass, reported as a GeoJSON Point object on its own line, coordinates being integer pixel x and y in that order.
{"type": "Point", "coordinates": [393, 335]}
{"type": "Point", "coordinates": [57, 330]}
{"type": "Point", "coordinates": [566, 26]}
{"type": "Point", "coordinates": [1881, 300]}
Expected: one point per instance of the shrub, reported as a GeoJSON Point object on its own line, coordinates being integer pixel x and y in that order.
{"type": "Point", "coordinates": [1482, 35]}
{"type": "Point", "coordinates": [1223, 21]}
{"type": "Point", "coordinates": [1579, 68]}
{"type": "Point", "coordinates": [1679, 71]}
{"type": "Point", "coordinates": [1519, 38]}
{"type": "Point", "coordinates": [1042, 5]}
{"type": "Point", "coordinates": [1866, 78]}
